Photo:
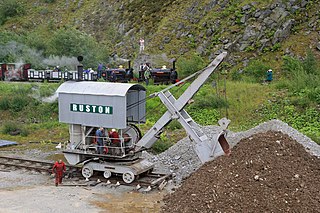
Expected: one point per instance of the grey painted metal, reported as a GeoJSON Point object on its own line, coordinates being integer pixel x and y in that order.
{"type": "Point", "coordinates": [75, 157]}
{"type": "Point", "coordinates": [138, 167]}
{"type": "Point", "coordinates": [126, 102]}
{"type": "Point", "coordinates": [7, 143]}
{"type": "Point", "coordinates": [76, 136]}
{"type": "Point", "coordinates": [204, 147]}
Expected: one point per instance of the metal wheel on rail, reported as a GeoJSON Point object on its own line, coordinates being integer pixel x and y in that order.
{"type": "Point", "coordinates": [107, 174]}
{"type": "Point", "coordinates": [87, 171]}
{"type": "Point", "coordinates": [128, 177]}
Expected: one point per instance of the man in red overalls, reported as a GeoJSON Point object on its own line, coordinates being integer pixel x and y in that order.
{"type": "Point", "coordinates": [58, 168]}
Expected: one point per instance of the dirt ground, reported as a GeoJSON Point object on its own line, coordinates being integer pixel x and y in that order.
{"type": "Point", "coordinates": [25, 192]}
{"type": "Point", "coordinates": [268, 172]}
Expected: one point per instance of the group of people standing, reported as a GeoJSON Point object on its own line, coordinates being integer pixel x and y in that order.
{"type": "Point", "coordinates": [114, 139]}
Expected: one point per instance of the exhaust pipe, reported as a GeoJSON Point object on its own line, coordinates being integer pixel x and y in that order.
{"type": "Point", "coordinates": [174, 65]}
{"type": "Point", "coordinates": [80, 68]}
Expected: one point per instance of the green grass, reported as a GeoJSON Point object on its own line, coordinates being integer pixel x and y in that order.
{"type": "Point", "coordinates": [245, 103]}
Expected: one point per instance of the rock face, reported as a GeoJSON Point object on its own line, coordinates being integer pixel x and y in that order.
{"type": "Point", "coordinates": [253, 26]}
{"type": "Point", "coordinates": [267, 172]}
{"type": "Point", "coordinates": [177, 27]}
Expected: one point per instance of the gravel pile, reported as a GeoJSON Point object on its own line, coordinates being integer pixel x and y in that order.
{"type": "Point", "coordinates": [277, 125]}
{"type": "Point", "coordinates": [181, 159]}
{"type": "Point", "coordinates": [266, 172]}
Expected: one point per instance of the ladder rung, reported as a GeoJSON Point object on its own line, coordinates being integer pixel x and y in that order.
{"type": "Point", "coordinates": [188, 119]}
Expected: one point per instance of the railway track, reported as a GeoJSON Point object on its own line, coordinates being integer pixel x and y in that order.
{"type": "Point", "coordinates": [74, 176]}
{"type": "Point", "coordinates": [44, 167]}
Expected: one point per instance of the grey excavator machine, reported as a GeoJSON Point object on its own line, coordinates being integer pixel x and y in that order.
{"type": "Point", "coordinates": [88, 106]}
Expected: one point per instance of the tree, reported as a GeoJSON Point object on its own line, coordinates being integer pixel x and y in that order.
{"type": "Point", "coordinates": [72, 43]}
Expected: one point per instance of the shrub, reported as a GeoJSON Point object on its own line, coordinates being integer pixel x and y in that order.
{"type": "Point", "coordinates": [24, 132]}
{"type": "Point", "coordinates": [236, 75]}
{"type": "Point", "coordinates": [4, 103]}
{"type": "Point", "coordinates": [205, 116]}
{"type": "Point", "coordinates": [304, 76]}
{"type": "Point", "coordinates": [9, 127]}
{"type": "Point", "coordinates": [190, 64]}
{"type": "Point", "coordinates": [47, 90]}
{"type": "Point", "coordinates": [17, 103]}
{"type": "Point", "coordinates": [209, 101]}
{"type": "Point", "coordinates": [163, 144]}
{"type": "Point", "coordinates": [306, 120]}
{"type": "Point", "coordinates": [71, 42]}
{"type": "Point", "coordinates": [43, 112]}
{"type": "Point", "coordinates": [14, 129]}
{"type": "Point", "coordinates": [256, 71]}
{"type": "Point", "coordinates": [10, 8]}
{"type": "Point", "coordinates": [174, 125]}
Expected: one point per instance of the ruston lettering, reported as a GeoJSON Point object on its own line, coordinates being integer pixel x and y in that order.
{"type": "Point", "coordinates": [91, 108]}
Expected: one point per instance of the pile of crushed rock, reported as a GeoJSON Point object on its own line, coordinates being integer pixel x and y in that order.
{"type": "Point", "coordinates": [181, 159]}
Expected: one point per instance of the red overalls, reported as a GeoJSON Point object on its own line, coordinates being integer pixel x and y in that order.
{"type": "Point", "coordinates": [58, 169]}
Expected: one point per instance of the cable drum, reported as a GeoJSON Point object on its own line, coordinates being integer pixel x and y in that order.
{"type": "Point", "coordinates": [131, 134]}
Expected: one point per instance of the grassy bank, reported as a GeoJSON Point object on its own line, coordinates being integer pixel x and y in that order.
{"type": "Point", "coordinates": [23, 110]}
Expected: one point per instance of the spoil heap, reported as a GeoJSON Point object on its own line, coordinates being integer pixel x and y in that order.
{"type": "Point", "coordinates": [267, 171]}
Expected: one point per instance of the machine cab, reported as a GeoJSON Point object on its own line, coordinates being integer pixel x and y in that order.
{"type": "Point", "coordinates": [89, 106]}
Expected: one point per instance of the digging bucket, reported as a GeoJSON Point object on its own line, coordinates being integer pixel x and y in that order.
{"type": "Point", "coordinates": [208, 150]}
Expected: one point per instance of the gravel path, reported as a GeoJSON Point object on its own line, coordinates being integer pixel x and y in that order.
{"type": "Point", "coordinates": [25, 192]}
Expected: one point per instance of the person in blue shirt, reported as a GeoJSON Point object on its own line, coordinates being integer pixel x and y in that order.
{"type": "Point", "coordinates": [99, 136]}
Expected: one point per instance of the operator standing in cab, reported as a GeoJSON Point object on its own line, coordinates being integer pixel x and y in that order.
{"type": "Point", "coordinates": [115, 141]}
{"type": "Point", "coordinates": [58, 169]}
{"type": "Point", "coordinates": [99, 136]}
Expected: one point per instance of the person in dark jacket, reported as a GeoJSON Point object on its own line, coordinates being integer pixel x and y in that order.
{"type": "Point", "coordinates": [147, 73]}
{"type": "Point", "coordinates": [58, 169]}
{"type": "Point", "coordinates": [269, 75]}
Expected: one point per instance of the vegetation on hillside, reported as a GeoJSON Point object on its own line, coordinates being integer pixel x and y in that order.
{"type": "Point", "coordinates": [47, 32]}
{"type": "Point", "coordinates": [246, 103]}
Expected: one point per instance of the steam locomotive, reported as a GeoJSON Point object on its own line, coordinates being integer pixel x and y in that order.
{"type": "Point", "coordinates": [161, 75]}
